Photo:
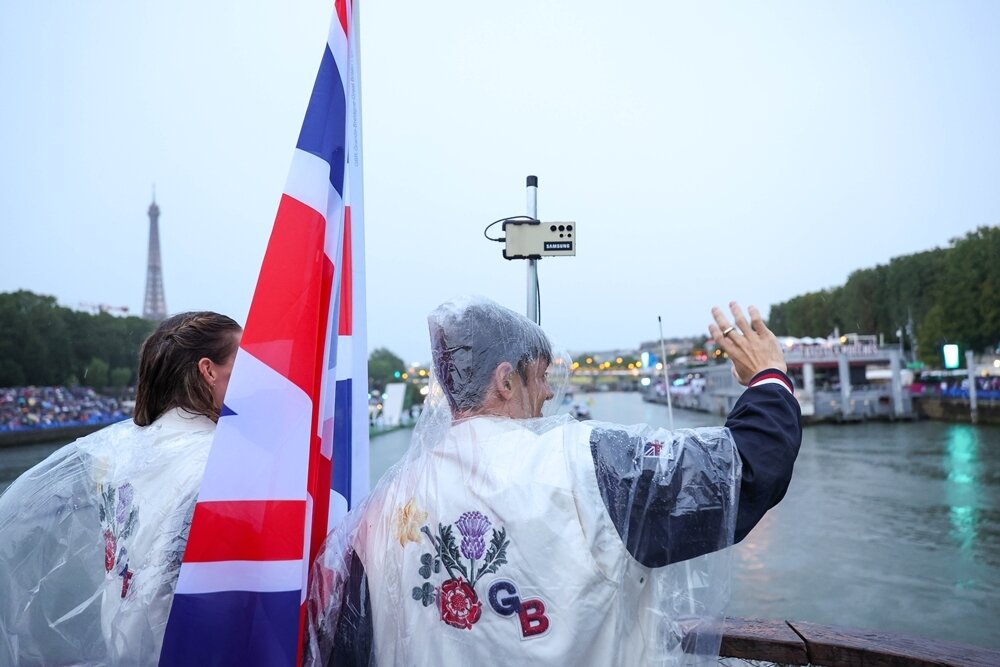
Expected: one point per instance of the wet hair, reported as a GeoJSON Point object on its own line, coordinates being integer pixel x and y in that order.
{"type": "Point", "coordinates": [470, 339]}
{"type": "Point", "coordinates": [168, 364]}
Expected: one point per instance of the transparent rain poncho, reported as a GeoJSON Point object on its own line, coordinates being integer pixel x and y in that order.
{"type": "Point", "coordinates": [546, 540]}
{"type": "Point", "coordinates": [92, 543]}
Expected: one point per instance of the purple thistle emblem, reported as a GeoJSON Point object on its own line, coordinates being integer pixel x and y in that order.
{"type": "Point", "coordinates": [473, 525]}
{"type": "Point", "coordinates": [125, 493]}
{"type": "Point", "coordinates": [456, 598]}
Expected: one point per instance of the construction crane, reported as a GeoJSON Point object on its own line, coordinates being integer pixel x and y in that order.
{"type": "Point", "coordinates": [103, 308]}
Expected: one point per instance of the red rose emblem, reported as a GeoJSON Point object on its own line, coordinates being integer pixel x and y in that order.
{"type": "Point", "coordinates": [109, 550]}
{"type": "Point", "coordinates": [460, 607]}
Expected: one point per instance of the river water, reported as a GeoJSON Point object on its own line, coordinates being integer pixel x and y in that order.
{"type": "Point", "coordinates": [892, 527]}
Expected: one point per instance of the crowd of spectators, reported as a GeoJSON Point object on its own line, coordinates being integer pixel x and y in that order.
{"type": "Point", "coordinates": [987, 387]}
{"type": "Point", "coordinates": [23, 408]}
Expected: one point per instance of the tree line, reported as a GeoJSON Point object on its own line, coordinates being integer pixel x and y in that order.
{"type": "Point", "coordinates": [43, 343]}
{"type": "Point", "coordinates": [950, 295]}
{"type": "Point", "coordinates": [384, 367]}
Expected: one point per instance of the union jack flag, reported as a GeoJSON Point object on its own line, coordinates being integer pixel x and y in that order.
{"type": "Point", "coordinates": [290, 454]}
{"type": "Point", "coordinates": [652, 448]}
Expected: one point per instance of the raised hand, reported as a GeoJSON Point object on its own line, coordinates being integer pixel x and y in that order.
{"type": "Point", "coordinates": [750, 345]}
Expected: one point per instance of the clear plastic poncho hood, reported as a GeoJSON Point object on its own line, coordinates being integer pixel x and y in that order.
{"type": "Point", "coordinates": [498, 540]}
{"type": "Point", "coordinates": [472, 336]}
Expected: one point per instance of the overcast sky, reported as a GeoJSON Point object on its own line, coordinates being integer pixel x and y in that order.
{"type": "Point", "coordinates": [706, 151]}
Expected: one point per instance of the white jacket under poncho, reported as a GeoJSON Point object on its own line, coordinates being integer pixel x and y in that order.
{"type": "Point", "coordinates": [92, 542]}
{"type": "Point", "coordinates": [495, 544]}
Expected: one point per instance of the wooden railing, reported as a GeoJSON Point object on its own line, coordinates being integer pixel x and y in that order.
{"type": "Point", "coordinates": [800, 643]}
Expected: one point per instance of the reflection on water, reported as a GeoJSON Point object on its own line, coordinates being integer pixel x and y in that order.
{"type": "Point", "coordinates": [15, 460]}
{"type": "Point", "coordinates": [962, 465]}
{"type": "Point", "coordinates": [892, 527]}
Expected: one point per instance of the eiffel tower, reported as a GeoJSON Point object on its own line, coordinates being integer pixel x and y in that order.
{"type": "Point", "coordinates": [155, 305]}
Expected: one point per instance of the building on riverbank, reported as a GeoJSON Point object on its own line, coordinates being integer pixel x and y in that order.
{"type": "Point", "coordinates": [854, 380]}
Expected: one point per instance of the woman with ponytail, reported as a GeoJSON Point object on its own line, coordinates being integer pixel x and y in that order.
{"type": "Point", "coordinates": [93, 536]}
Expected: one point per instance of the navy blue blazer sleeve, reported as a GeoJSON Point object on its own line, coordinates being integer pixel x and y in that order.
{"type": "Point", "coordinates": [766, 426]}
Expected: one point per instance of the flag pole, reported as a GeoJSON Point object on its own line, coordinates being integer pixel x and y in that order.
{"type": "Point", "coordinates": [360, 446]}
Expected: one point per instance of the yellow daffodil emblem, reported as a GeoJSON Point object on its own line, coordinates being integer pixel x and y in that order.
{"type": "Point", "coordinates": [409, 522]}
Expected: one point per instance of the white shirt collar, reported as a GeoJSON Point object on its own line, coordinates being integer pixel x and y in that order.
{"type": "Point", "coordinates": [179, 419]}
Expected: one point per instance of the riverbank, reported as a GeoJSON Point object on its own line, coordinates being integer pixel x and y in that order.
{"type": "Point", "coordinates": [31, 436]}
{"type": "Point", "coordinates": [958, 410]}
{"type": "Point", "coordinates": [925, 407]}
